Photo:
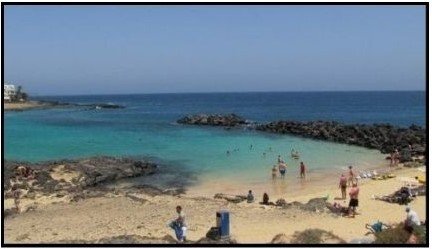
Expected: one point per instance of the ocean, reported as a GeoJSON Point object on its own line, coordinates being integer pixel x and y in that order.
{"type": "Point", "coordinates": [147, 127]}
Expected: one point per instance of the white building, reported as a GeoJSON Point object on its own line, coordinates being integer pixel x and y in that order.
{"type": "Point", "coordinates": [8, 92]}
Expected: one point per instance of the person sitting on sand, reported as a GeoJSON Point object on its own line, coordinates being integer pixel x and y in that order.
{"type": "Point", "coordinates": [377, 227]}
{"type": "Point", "coordinates": [302, 170]}
{"type": "Point", "coordinates": [265, 199]}
{"type": "Point", "coordinates": [343, 185]}
{"type": "Point", "coordinates": [353, 204]}
{"type": "Point", "coordinates": [274, 172]}
{"type": "Point", "coordinates": [338, 208]}
{"type": "Point", "coordinates": [411, 220]}
{"type": "Point", "coordinates": [179, 225]}
{"type": "Point", "coordinates": [250, 198]}
{"type": "Point", "coordinates": [282, 169]}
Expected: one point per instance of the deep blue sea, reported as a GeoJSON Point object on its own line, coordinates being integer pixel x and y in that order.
{"type": "Point", "coordinates": [147, 127]}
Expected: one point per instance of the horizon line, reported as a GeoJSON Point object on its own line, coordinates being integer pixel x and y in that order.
{"type": "Point", "coordinates": [221, 92]}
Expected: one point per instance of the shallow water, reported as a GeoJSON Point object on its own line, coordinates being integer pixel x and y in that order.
{"type": "Point", "coordinates": [146, 127]}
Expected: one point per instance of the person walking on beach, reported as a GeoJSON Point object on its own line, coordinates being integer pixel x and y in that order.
{"type": "Point", "coordinates": [274, 172]}
{"type": "Point", "coordinates": [353, 203]}
{"type": "Point", "coordinates": [282, 169]}
{"type": "Point", "coordinates": [179, 225]}
{"type": "Point", "coordinates": [343, 185]}
{"type": "Point", "coordinates": [16, 193]}
{"type": "Point", "coordinates": [302, 170]}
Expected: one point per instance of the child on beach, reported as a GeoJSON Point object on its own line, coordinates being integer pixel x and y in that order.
{"type": "Point", "coordinates": [179, 225]}
{"type": "Point", "coordinates": [274, 172]}
{"type": "Point", "coordinates": [302, 170]}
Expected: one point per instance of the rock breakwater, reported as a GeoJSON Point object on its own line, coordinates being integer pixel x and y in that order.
{"type": "Point", "coordinates": [213, 120]}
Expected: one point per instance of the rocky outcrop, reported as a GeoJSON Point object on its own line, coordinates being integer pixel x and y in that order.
{"type": "Point", "coordinates": [230, 198]}
{"type": "Point", "coordinates": [98, 170]}
{"type": "Point", "coordinates": [383, 137]}
{"type": "Point", "coordinates": [213, 120]}
{"type": "Point", "coordinates": [88, 176]}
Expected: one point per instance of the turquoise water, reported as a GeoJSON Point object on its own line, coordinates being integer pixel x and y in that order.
{"type": "Point", "coordinates": [146, 127]}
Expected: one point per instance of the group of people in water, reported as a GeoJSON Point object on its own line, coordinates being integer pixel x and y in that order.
{"type": "Point", "coordinates": [282, 166]}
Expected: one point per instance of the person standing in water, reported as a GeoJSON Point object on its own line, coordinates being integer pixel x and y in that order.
{"type": "Point", "coordinates": [279, 159]}
{"type": "Point", "coordinates": [282, 169]}
{"type": "Point", "coordinates": [302, 170]}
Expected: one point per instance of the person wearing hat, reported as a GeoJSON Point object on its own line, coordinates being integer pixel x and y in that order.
{"type": "Point", "coordinates": [411, 220]}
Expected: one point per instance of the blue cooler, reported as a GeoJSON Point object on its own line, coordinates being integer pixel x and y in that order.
{"type": "Point", "coordinates": [222, 223]}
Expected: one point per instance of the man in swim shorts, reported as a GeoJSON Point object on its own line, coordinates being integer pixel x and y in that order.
{"type": "Point", "coordinates": [354, 193]}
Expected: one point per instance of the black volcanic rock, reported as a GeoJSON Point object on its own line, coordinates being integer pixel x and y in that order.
{"type": "Point", "coordinates": [213, 120]}
{"type": "Point", "coordinates": [383, 137]}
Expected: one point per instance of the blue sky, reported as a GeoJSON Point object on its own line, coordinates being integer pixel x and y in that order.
{"type": "Point", "coordinates": [53, 50]}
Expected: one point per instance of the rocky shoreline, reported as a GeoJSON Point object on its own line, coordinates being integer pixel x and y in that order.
{"type": "Point", "coordinates": [386, 138]}
{"type": "Point", "coordinates": [73, 180]}
{"type": "Point", "coordinates": [213, 120]}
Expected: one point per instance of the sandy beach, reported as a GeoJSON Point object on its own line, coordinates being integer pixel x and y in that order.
{"type": "Point", "coordinates": [54, 219]}
{"type": "Point", "coordinates": [21, 106]}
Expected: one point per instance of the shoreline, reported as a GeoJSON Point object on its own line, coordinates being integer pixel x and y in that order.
{"type": "Point", "coordinates": [135, 213]}
{"type": "Point", "coordinates": [143, 211]}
